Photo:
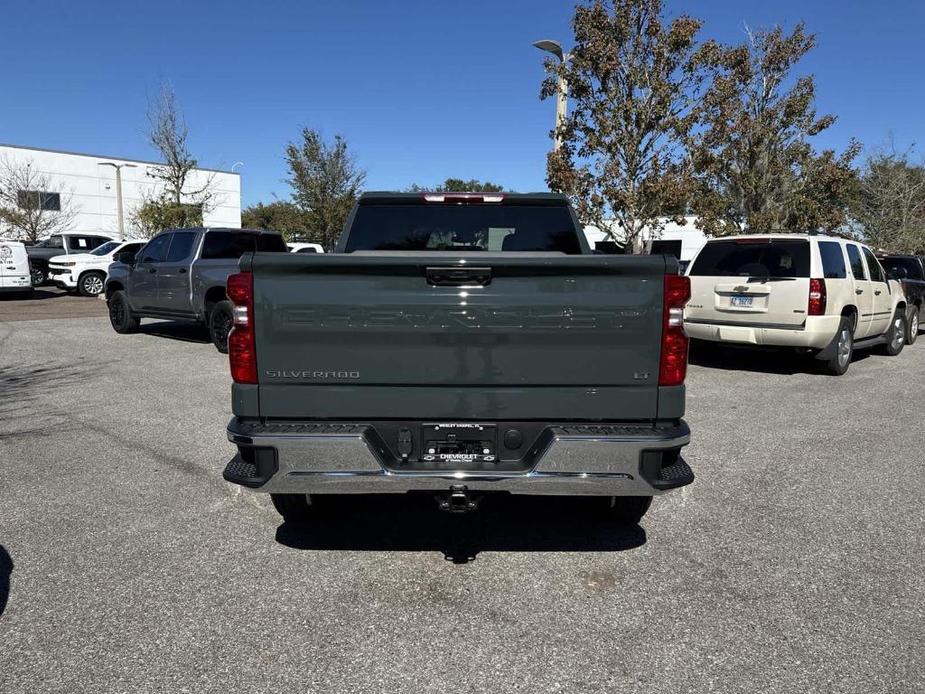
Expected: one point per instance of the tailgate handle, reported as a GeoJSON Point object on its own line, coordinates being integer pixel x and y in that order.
{"type": "Point", "coordinates": [458, 276]}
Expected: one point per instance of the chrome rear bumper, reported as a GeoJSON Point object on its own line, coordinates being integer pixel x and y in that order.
{"type": "Point", "coordinates": [346, 459]}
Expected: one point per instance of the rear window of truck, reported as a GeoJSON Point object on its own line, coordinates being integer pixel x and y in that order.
{"type": "Point", "coordinates": [231, 245]}
{"type": "Point", "coordinates": [774, 258]}
{"type": "Point", "coordinates": [911, 265]}
{"type": "Point", "coordinates": [463, 228]}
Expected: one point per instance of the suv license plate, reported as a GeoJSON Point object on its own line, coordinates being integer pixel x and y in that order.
{"type": "Point", "coordinates": [741, 300]}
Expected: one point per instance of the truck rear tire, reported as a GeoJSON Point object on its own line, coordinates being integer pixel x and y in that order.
{"type": "Point", "coordinates": [293, 507]}
{"type": "Point", "coordinates": [120, 314]}
{"type": "Point", "coordinates": [627, 510]}
{"type": "Point", "coordinates": [912, 325]}
{"type": "Point", "coordinates": [221, 319]}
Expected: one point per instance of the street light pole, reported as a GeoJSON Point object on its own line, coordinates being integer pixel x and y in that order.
{"type": "Point", "coordinates": [555, 48]}
{"type": "Point", "coordinates": [119, 212]}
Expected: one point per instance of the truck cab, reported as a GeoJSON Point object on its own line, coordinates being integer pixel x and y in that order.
{"type": "Point", "coordinates": [909, 271]}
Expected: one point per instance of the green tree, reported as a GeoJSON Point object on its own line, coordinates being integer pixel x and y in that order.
{"type": "Point", "coordinates": [460, 185]}
{"type": "Point", "coordinates": [326, 183]}
{"type": "Point", "coordinates": [889, 204]}
{"type": "Point", "coordinates": [756, 168]}
{"type": "Point", "coordinates": [634, 80]}
{"type": "Point", "coordinates": [279, 215]}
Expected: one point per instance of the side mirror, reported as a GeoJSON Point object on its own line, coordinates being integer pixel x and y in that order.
{"type": "Point", "coordinates": [126, 257]}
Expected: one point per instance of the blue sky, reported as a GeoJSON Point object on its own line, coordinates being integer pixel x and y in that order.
{"type": "Point", "coordinates": [421, 90]}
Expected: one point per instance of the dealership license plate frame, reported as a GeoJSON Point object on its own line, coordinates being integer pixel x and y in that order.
{"type": "Point", "coordinates": [462, 442]}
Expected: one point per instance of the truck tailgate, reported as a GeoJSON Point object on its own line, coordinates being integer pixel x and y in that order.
{"type": "Point", "coordinates": [461, 336]}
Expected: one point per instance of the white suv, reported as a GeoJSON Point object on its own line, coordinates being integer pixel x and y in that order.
{"type": "Point", "coordinates": [86, 272]}
{"type": "Point", "coordinates": [822, 294]}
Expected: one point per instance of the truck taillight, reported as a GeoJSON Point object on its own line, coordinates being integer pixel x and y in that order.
{"type": "Point", "coordinates": [673, 363]}
{"type": "Point", "coordinates": [817, 298]}
{"type": "Point", "coordinates": [242, 351]}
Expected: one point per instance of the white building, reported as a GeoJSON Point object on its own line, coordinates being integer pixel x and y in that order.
{"type": "Point", "coordinates": [681, 240]}
{"type": "Point", "coordinates": [92, 187]}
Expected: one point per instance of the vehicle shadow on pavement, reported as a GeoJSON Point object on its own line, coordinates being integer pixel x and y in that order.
{"type": "Point", "coordinates": [6, 570]}
{"type": "Point", "coordinates": [40, 295]}
{"type": "Point", "coordinates": [21, 387]}
{"type": "Point", "coordinates": [180, 331]}
{"type": "Point", "coordinates": [763, 360]}
{"type": "Point", "coordinates": [409, 523]}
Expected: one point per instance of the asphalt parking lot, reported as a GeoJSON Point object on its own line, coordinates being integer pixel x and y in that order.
{"type": "Point", "coordinates": [795, 562]}
{"type": "Point", "coordinates": [50, 302]}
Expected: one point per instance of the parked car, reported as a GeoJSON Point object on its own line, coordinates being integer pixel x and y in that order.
{"type": "Point", "coordinates": [180, 274]}
{"type": "Point", "coordinates": [458, 344]}
{"type": "Point", "coordinates": [14, 269]}
{"type": "Point", "coordinates": [305, 247]}
{"type": "Point", "coordinates": [86, 272]}
{"type": "Point", "coordinates": [65, 243]}
{"type": "Point", "coordinates": [820, 294]}
{"type": "Point", "coordinates": [909, 271]}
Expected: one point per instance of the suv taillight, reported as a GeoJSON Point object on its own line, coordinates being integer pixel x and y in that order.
{"type": "Point", "coordinates": [816, 305]}
{"type": "Point", "coordinates": [242, 352]}
{"type": "Point", "coordinates": [672, 367]}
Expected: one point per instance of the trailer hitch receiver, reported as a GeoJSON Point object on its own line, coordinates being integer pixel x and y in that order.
{"type": "Point", "coordinates": [457, 500]}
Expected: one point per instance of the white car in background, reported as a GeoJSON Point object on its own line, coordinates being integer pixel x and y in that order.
{"type": "Point", "coordinates": [86, 272]}
{"type": "Point", "coordinates": [14, 269]}
{"type": "Point", "coordinates": [305, 248]}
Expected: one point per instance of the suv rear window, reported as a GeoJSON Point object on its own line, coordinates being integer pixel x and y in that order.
{"type": "Point", "coordinates": [480, 227]}
{"type": "Point", "coordinates": [231, 245]}
{"type": "Point", "coordinates": [753, 258]}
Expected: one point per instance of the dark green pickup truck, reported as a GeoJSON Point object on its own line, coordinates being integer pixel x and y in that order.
{"type": "Point", "coordinates": [459, 344]}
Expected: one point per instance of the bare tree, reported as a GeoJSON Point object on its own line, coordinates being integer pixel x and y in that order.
{"type": "Point", "coordinates": [890, 202]}
{"type": "Point", "coordinates": [32, 206]}
{"type": "Point", "coordinates": [178, 204]}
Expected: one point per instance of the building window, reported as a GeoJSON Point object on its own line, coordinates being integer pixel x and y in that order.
{"type": "Point", "coordinates": [39, 200]}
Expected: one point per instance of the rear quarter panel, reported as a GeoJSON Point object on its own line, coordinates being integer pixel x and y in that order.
{"type": "Point", "coordinates": [208, 274]}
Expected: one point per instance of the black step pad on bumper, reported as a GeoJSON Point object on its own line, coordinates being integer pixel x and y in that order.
{"type": "Point", "coordinates": [678, 474]}
{"type": "Point", "coordinates": [252, 466]}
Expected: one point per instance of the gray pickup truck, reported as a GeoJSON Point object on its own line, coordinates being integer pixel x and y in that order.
{"type": "Point", "coordinates": [459, 344]}
{"type": "Point", "coordinates": [180, 274]}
